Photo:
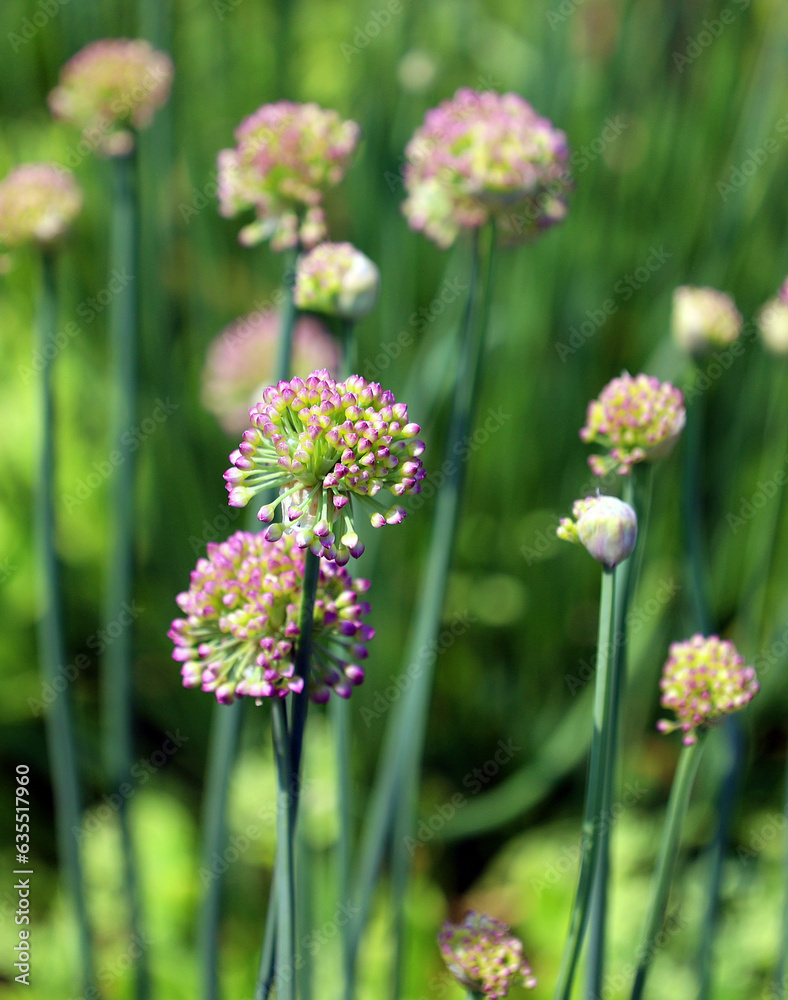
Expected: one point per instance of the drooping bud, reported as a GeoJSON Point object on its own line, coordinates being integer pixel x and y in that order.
{"type": "Point", "coordinates": [704, 319]}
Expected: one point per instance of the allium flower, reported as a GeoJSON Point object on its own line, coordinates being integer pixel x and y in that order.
{"type": "Point", "coordinates": [38, 202]}
{"type": "Point", "coordinates": [606, 526]}
{"type": "Point", "coordinates": [480, 156]}
{"type": "Point", "coordinates": [241, 362]}
{"type": "Point", "coordinates": [327, 445]}
{"type": "Point", "coordinates": [287, 156]}
{"type": "Point", "coordinates": [242, 610]}
{"type": "Point", "coordinates": [638, 419]}
{"type": "Point", "coordinates": [703, 680]}
{"type": "Point", "coordinates": [773, 322]}
{"type": "Point", "coordinates": [110, 88]}
{"type": "Point", "coordinates": [703, 319]}
{"type": "Point", "coordinates": [483, 955]}
{"type": "Point", "coordinates": [337, 279]}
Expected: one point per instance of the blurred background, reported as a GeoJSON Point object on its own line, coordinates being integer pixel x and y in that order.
{"type": "Point", "coordinates": [673, 113]}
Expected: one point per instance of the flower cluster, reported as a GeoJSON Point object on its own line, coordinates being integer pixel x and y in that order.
{"type": "Point", "coordinates": [337, 279]}
{"type": "Point", "coordinates": [286, 156]}
{"type": "Point", "coordinates": [773, 322]}
{"type": "Point", "coordinates": [325, 445]}
{"type": "Point", "coordinates": [111, 87]}
{"type": "Point", "coordinates": [242, 611]}
{"type": "Point", "coordinates": [638, 419]}
{"type": "Point", "coordinates": [241, 362]}
{"type": "Point", "coordinates": [605, 526]}
{"type": "Point", "coordinates": [703, 680]}
{"type": "Point", "coordinates": [483, 955]}
{"type": "Point", "coordinates": [703, 319]}
{"type": "Point", "coordinates": [38, 202]}
{"type": "Point", "coordinates": [480, 156]}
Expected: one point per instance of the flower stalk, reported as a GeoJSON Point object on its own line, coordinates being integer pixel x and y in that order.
{"type": "Point", "coordinates": [51, 644]}
{"type": "Point", "coordinates": [118, 692]}
{"type": "Point", "coordinates": [600, 771]}
{"type": "Point", "coordinates": [666, 861]}
{"type": "Point", "coordinates": [393, 801]}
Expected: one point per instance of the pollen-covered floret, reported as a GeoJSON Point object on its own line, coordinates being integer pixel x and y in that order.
{"type": "Point", "coordinates": [38, 202]}
{"type": "Point", "coordinates": [242, 611]}
{"type": "Point", "coordinates": [484, 155]}
{"type": "Point", "coordinates": [703, 680]}
{"type": "Point", "coordinates": [110, 87]}
{"type": "Point", "coordinates": [638, 419]}
{"type": "Point", "coordinates": [286, 157]}
{"type": "Point", "coordinates": [327, 446]}
{"type": "Point", "coordinates": [484, 955]}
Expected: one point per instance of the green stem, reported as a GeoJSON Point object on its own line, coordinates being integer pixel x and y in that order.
{"type": "Point", "coordinates": [225, 729]}
{"type": "Point", "coordinates": [599, 772]}
{"type": "Point", "coordinates": [285, 871]}
{"type": "Point", "coordinates": [666, 861]}
{"type": "Point", "coordinates": [61, 741]}
{"type": "Point", "coordinates": [341, 720]}
{"type": "Point", "coordinates": [225, 733]}
{"type": "Point", "coordinates": [271, 957]}
{"type": "Point", "coordinates": [401, 752]}
{"type": "Point", "coordinates": [624, 586]}
{"type": "Point", "coordinates": [692, 517]}
{"type": "Point", "coordinates": [782, 965]}
{"type": "Point", "coordinates": [118, 692]}
{"type": "Point", "coordinates": [289, 317]}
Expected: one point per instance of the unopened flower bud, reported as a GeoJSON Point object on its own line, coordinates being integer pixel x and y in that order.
{"type": "Point", "coordinates": [606, 526]}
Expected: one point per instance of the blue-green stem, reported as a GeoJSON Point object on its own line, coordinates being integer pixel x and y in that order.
{"type": "Point", "coordinates": [285, 870]}
{"type": "Point", "coordinates": [597, 935]}
{"type": "Point", "coordinates": [599, 771]}
{"type": "Point", "coordinates": [781, 976]}
{"type": "Point", "coordinates": [387, 792]}
{"type": "Point", "coordinates": [341, 721]}
{"type": "Point", "coordinates": [118, 688]}
{"type": "Point", "coordinates": [666, 861]}
{"type": "Point", "coordinates": [61, 741]}
{"type": "Point", "coordinates": [273, 949]}
{"type": "Point", "coordinates": [732, 730]}
{"type": "Point", "coordinates": [225, 734]}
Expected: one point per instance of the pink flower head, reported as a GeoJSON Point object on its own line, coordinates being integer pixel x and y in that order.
{"type": "Point", "coordinates": [38, 202]}
{"type": "Point", "coordinates": [287, 156]}
{"type": "Point", "coordinates": [241, 362]}
{"type": "Point", "coordinates": [241, 623]}
{"type": "Point", "coordinates": [638, 419]}
{"type": "Point", "coordinates": [484, 956]}
{"type": "Point", "coordinates": [702, 681]}
{"type": "Point", "coordinates": [480, 156]}
{"type": "Point", "coordinates": [327, 446]}
{"type": "Point", "coordinates": [110, 88]}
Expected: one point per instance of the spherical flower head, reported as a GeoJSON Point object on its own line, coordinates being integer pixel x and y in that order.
{"type": "Point", "coordinates": [240, 629]}
{"type": "Point", "coordinates": [241, 362]}
{"type": "Point", "coordinates": [337, 279]}
{"type": "Point", "coordinates": [483, 955]}
{"type": "Point", "coordinates": [480, 156]}
{"type": "Point", "coordinates": [110, 88]}
{"type": "Point", "coordinates": [606, 526]}
{"type": "Point", "coordinates": [702, 681]}
{"type": "Point", "coordinates": [704, 319]}
{"type": "Point", "coordinates": [638, 419]}
{"type": "Point", "coordinates": [773, 323]}
{"type": "Point", "coordinates": [38, 202]}
{"type": "Point", "coordinates": [327, 447]}
{"type": "Point", "coordinates": [287, 156]}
